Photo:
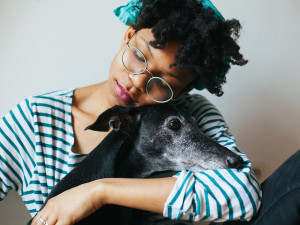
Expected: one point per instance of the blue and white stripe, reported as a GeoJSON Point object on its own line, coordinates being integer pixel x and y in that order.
{"type": "Point", "coordinates": [36, 138]}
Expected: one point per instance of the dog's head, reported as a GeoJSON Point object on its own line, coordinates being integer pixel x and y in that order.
{"type": "Point", "coordinates": [167, 138]}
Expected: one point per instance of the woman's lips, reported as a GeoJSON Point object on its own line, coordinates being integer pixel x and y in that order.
{"type": "Point", "coordinates": [123, 94]}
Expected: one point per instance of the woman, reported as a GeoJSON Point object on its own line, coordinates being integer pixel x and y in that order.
{"type": "Point", "coordinates": [173, 47]}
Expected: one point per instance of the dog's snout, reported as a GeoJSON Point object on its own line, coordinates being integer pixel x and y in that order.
{"type": "Point", "coordinates": [234, 161]}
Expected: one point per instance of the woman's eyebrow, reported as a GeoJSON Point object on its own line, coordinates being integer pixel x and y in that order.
{"type": "Point", "coordinates": [173, 75]}
{"type": "Point", "coordinates": [151, 54]}
{"type": "Point", "coordinates": [148, 47]}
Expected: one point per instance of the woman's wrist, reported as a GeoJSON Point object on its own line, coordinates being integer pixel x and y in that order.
{"type": "Point", "coordinates": [99, 192]}
{"type": "Point", "coordinates": [144, 194]}
{"type": "Point", "coordinates": [104, 190]}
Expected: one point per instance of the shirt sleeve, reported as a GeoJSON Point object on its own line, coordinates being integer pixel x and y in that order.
{"type": "Point", "coordinates": [17, 148]}
{"type": "Point", "coordinates": [214, 195]}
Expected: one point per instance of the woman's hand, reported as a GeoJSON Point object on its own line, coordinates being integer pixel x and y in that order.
{"type": "Point", "coordinates": [72, 205]}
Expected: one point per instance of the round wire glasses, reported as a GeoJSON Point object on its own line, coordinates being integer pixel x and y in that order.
{"type": "Point", "coordinates": [136, 63]}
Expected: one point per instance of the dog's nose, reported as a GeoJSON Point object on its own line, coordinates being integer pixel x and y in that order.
{"type": "Point", "coordinates": [234, 161]}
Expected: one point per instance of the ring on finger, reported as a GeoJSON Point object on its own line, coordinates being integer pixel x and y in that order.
{"type": "Point", "coordinates": [43, 221]}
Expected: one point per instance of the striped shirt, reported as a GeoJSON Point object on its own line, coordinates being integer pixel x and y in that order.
{"type": "Point", "coordinates": [36, 138]}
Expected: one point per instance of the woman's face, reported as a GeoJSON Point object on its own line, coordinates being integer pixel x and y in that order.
{"type": "Point", "coordinates": [130, 90]}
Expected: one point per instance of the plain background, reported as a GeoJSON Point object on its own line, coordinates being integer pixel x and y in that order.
{"type": "Point", "coordinates": [59, 44]}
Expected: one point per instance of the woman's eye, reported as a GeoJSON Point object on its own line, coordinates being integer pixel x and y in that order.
{"type": "Point", "coordinates": [138, 56]}
{"type": "Point", "coordinates": [174, 124]}
{"type": "Point", "coordinates": [163, 84]}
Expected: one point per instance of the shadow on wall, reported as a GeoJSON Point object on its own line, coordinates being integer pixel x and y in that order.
{"type": "Point", "coordinates": [270, 139]}
{"type": "Point", "coordinates": [13, 210]}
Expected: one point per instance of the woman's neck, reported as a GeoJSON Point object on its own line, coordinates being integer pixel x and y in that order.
{"type": "Point", "coordinates": [92, 100]}
{"type": "Point", "coordinates": [88, 103]}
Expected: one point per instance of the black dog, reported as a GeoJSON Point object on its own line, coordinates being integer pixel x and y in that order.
{"type": "Point", "coordinates": [145, 140]}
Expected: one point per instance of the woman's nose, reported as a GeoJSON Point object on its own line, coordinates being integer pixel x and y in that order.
{"type": "Point", "coordinates": [140, 80]}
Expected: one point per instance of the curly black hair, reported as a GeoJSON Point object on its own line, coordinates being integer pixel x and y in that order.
{"type": "Point", "coordinates": [208, 44]}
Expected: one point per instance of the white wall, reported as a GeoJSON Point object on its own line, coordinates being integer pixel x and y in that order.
{"type": "Point", "coordinates": [47, 45]}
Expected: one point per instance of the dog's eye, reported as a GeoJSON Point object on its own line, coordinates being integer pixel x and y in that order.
{"type": "Point", "coordinates": [174, 124]}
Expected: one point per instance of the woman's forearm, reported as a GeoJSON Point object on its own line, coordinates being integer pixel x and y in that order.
{"type": "Point", "coordinates": [144, 194]}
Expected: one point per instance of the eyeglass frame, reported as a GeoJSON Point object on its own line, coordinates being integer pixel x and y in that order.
{"type": "Point", "coordinates": [143, 71]}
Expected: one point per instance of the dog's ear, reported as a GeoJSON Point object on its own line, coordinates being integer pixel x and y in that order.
{"type": "Point", "coordinates": [120, 118]}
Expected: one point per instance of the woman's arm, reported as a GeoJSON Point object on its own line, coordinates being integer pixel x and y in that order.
{"type": "Point", "coordinates": [215, 195]}
{"type": "Point", "coordinates": [77, 203]}
{"type": "Point", "coordinates": [17, 149]}
{"type": "Point", "coordinates": [145, 194]}
{"type": "Point", "coordinates": [219, 195]}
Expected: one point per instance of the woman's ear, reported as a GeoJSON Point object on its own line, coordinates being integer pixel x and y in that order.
{"type": "Point", "coordinates": [128, 34]}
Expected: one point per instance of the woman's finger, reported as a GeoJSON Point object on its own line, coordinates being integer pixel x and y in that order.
{"type": "Point", "coordinates": [43, 218]}
{"type": "Point", "coordinates": [61, 222]}
{"type": "Point", "coordinates": [48, 220]}
{"type": "Point", "coordinates": [43, 221]}
{"type": "Point", "coordinates": [40, 219]}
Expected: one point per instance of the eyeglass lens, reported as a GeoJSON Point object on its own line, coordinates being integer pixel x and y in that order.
{"type": "Point", "coordinates": [134, 61]}
{"type": "Point", "coordinates": [159, 90]}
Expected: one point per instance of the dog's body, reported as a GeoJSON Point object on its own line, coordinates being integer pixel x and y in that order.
{"type": "Point", "coordinates": [144, 141]}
